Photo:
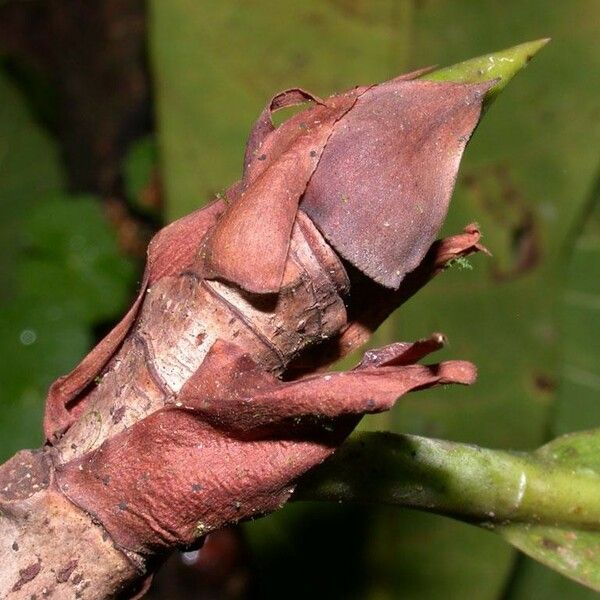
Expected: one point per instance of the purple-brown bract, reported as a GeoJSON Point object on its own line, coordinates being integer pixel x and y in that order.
{"type": "Point", "coordinates": [179, 421]}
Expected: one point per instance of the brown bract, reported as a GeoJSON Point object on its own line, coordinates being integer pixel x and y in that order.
{"type": "Point", "coordinates": [171, 250]}
{"type": "Point", "coordinates": [233, 444]}
{"type": "Point", "coordinates": [179, 422]}
{"type": "Point", "coordinates": [374, 168]}
{"type": "Point", "coordinates": [384, 181]}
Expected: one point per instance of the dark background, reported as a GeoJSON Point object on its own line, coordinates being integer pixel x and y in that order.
{"type": "Point", "coordinates": [118, 115]}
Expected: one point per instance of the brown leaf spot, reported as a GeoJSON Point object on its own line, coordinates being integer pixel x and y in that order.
{"type": "Point", "coordinates": [27, 574]}
{"type": "Point", "coordinates": [63, 574]}
{"type": "Point", "coordinates": [544, 383]}
{"type": "Point", "coordinates": [550, 544]}
{"type": "Point", "coordinates": [118, 414]}
{"type": "Point", "coordinates": [499, 195]}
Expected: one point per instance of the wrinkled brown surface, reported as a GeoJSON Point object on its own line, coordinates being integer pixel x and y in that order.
{"type": "Point", "coordinates": [48, 549]}
{"type": "Point", "coordinates": [178, 423]}
{"type": "Point", "coordinates": [182, 316]}
{"type": "Point", "coordinates": [207, 457]}
{"type": "Point", "coordinates": [372, 303]}
{"type": "Point", "coordinates": [233, 444]}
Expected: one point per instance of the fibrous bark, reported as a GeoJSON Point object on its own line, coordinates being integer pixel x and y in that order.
{"type": "Point", "coordinates": [180, 422]}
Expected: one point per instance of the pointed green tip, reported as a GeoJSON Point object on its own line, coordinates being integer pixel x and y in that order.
{"type": "Point", "coordinates": [502, 65]}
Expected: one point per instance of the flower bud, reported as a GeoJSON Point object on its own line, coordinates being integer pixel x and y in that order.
{"type": "Point", "coordinates": [374, 169]}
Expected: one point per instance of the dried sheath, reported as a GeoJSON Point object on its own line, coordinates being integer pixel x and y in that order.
{"type": "Point", "coordinates": [178, 423]}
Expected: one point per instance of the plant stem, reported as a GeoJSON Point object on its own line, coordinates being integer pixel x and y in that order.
{"type": "Point", "coordinates": [487, 487]}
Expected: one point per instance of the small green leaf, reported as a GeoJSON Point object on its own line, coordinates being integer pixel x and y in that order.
{"type": "Point", "coordinates": [461, 262]}
{"type": "Point", "coordinates": [572, 551]}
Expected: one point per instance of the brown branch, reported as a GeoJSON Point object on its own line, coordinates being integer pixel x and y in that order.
{"type": "Point", "coordinates": [177, 423]}
{"type": "Point", "coordinates": [39, 526]}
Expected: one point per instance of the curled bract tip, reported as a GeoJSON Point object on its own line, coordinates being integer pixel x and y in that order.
{"type": "Point", "coordinates": [373, 168]}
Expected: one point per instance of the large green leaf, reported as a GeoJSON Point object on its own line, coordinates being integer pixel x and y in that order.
{"type": "Point", "coordinates": [578, 408]}
{"type": "Point", "coordinates": [216, 66]}
{"type": "Point", "coordinates": [61, 271]}
{"type": "Point", "coordinates": [578, 405]}
{"type": "Point", "coordinates": [525, 177]}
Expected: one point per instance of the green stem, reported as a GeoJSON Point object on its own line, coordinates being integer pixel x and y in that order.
{"type": "Point", "coordinates": [474, 484]}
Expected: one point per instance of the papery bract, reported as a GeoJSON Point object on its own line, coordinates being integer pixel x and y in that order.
{"type": "Point", "coordinates": [178, 423]}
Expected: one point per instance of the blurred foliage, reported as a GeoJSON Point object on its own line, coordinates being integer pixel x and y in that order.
{"type": "Point", "coordinates": [577, 406]}
{"type": "Point", "coordinates": [525, 179]}
{"type": "Point", "coordinates": [139, 163]}
{"type": "Point", "coordinates": [29, 167]}
{"type": "Point", "coordinates": [215, 68]}
{"type": "Point", "coordinates": [571, 550]}
{"type": "Point", "coordinates": [61, 270]}
{"type": "Point", "coordinates": [139, 168]}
